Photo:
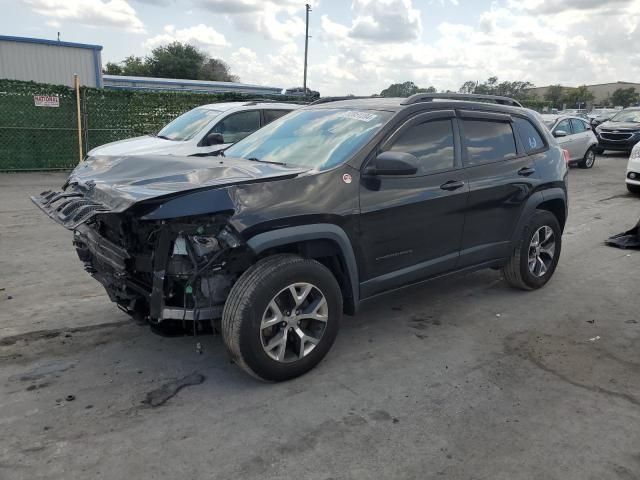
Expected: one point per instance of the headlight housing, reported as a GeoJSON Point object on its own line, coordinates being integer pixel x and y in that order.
{"type": "Point", "coordinates": [635, 152]}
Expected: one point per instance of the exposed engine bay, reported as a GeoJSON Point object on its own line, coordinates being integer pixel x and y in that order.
{"type": "Point", "coordinates": [181, 269]}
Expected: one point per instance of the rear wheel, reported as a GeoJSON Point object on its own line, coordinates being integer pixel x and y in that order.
{"type": "Point", "coordinates": [589, 159]}
{"type": "Point", "coordinates": [535, 258]}
{"type": "Point", "coordinates": [633, 188]}
{"type": "Point", "coordinates": [281, 317]}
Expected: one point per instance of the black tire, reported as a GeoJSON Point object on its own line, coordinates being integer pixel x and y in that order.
{"type": "Point", "coordinates": [599, 151]}
{"type": "Point", "coordinates": [516, 272]}
{"type": "Point", "coordinates": [589, 159]}
{"type": "Point", "coordinates": [633, 188]}
{"type": "Point", "coordinates": [248, 301]}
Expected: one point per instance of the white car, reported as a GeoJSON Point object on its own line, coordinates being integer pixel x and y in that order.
{"type": "Point", "coordinates": [574, 135]}
{"type": "Point", "coordinates": [202, 131]}
{"type": "Point", "coordinates": [633, 170]}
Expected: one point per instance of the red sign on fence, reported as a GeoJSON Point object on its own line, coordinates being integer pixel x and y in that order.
{"type": "Point", "coordinates": [46, 100]}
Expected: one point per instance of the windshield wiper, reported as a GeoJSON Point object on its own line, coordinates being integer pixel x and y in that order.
{"type": "Point", "coordinates": [164, 137]}
{"type": "Point", "coordinates": [254, 159]}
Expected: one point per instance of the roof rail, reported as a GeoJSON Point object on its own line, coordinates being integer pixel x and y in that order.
{"type": "Point", "coordinates": [429, 97]}
{"type": "Point", "coordinates": [337, 99]}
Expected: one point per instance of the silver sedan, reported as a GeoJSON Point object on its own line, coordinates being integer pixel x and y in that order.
{"type": "Point", "coordinates": [574, 135]}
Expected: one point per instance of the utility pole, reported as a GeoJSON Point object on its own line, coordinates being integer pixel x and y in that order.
{"type": "Point", "coordinates": [306, 50]}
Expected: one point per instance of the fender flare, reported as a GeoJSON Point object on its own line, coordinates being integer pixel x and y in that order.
{"type": "Point", "coordinates": [318, 231]}
{"type": "Point", "coordinates": [532, 204]}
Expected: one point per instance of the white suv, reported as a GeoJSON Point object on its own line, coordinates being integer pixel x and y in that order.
{"type": "Point", "coordinates": [202, 131]}
{"type": "Point", "coordinates": [633, 170]}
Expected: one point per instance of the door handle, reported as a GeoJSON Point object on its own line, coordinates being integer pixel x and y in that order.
{"type": "Point", "coordinates": [452, 185]}
{"type": "Point", "coordinates": [526, 171]}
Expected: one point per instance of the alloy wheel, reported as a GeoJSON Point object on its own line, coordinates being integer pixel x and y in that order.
{"type": "Point", "coordinates": [590, 159]}
{"type": "Point", "coordinates": [541, 251]}
{"type": "Point", "coordinates": [294, 322]}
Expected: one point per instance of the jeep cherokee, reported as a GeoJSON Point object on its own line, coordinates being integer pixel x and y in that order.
{"type": "Point", "coordinates": [317, 212]}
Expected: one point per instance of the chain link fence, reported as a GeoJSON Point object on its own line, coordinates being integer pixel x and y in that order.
{"type": "Point", "coordinates": [46, 137]}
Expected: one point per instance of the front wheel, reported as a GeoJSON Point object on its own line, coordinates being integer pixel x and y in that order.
{"type": "Point", "coordinates": [633, 188]}
{"type": "Point", "coordinates": [536, 255]}
{"type": "Point", "coordinates": [281, 317]}
{"type": "Point", "coordinates": [589, 159]}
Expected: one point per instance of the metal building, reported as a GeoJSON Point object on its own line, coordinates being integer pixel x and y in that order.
{"type": "Point", "coordinates": [122, 82]}
{"type": "Point", "coordinates": [50, 61]}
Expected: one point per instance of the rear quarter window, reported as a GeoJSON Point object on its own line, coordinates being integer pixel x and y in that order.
{"type": "Point", "coordinates": [529, 135]}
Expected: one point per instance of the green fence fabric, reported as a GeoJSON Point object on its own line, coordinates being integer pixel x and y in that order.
{"type": "Point", "coordinates": [37, 137]}
{"type": "Point", "coordinates": [46, 138]}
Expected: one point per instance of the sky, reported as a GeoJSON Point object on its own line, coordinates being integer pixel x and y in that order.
{"type": "Point", "coordinates": [360, 46]}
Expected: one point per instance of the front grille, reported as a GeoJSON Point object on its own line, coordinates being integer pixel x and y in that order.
{"type": "Point", "coordinates": [68, 208]}
{"type": "Point", "coordinates": [616, 136]}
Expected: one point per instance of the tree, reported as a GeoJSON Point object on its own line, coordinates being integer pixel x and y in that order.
{"type": "Point", "coordinates": [555, 96]}
{"type": "Point", "coordinates": [405, 89]}
{"type": "Point", "coordinates": [431, 89]}
{"type": "Point", "coordinates": [112, 69]}
{"type": "Point", "coordinates": [135, 67]}
{"type": "Point", "coordinates": [624, 97]}
{"type": "Point", "coordinates": [579, 97]}
{"type": "Point", "coordinates": [218, 70]}
{"type": "Point", "coordinates": [517, 89]}
{"type": "Point", "coordinates": [468, 87]}
{"type": "Point", "coordinates": [175, 60]}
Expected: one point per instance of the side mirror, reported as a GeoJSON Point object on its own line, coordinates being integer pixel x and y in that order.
{"type": "Point", "coordinates": [213, 139]}
{"type": "Point", "coordinates": [393, 163]}
{"type": "Point", "coordinates": [559, 133]}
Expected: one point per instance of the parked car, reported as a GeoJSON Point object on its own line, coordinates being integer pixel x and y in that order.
{"type": "Point", "coordinates": [329, 206]}
{"type": "Point", "coordinates": [204, 130]}
{"type": "Point", "coordinates": [633, 170]}
{"type": "Point", "coordinates": [574, 135]}
{"type": "Point", "coordinates": [302, 92]}
{"type": "Point", "coordinates": [575, 112]}
{"type": "Point", "coordinates": [621, 132]}
{"type": "Point", "coordinates": [601, 115]}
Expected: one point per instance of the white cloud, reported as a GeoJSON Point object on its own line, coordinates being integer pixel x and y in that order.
{"type": "Point", "coordinates": [281, 69]}
{"type": "Point", "coordinates": [573, 43]}
{"type": "Point", "coordinates": [385, 21]}
{"type": "Point", "coordinates": [95, 13]}
{"type": "Point", "coordinates": [281, 20]}
{"type": "Point", "coordinates": [199, 35]}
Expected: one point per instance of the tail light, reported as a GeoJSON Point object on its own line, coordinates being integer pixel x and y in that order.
{"type": "Point", "coordinates": [567, 156]}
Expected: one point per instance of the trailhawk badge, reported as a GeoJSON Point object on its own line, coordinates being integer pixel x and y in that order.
{"type": "Point", "coordinates": [346, 178]}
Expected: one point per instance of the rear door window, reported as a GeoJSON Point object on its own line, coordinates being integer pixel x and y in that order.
{"type": "Point", "coordinates": [271, 115]}
{"type": "Point", "coordinates": [432, 144]}
{"type": "Point", "coordinates": [487, 141]}
{"type": "Point", "coordinates": [529, 135]}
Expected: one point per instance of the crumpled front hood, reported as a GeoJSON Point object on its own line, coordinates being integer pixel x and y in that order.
{"type": "Point", "coordinates": [119, 182]}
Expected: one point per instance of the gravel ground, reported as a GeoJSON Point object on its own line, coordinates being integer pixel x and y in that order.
{"type": "Point", "coordinates": [462, 378]}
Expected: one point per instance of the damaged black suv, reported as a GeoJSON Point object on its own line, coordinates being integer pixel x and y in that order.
{"type": "Point", "coordinates": [320, 210]}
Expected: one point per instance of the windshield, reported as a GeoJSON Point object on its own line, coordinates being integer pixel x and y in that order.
{"type": "Point", "coordinates": [188, 124]}
{"type": "Point", "coordinates": [628, 116]}
{"type": "Point", "coordinates": [320, 139]}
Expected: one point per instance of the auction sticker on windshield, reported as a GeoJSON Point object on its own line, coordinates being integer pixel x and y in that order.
{"type": "Point", "coordinates": [362, 116]}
